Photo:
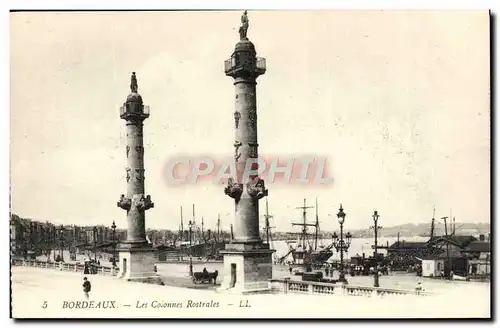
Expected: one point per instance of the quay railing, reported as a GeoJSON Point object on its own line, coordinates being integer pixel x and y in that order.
{"type": "Point", "coordinates": [62, 266]}
{"type": "Point", "coordinates": [318, 288]}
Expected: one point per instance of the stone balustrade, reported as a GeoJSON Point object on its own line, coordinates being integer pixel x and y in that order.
{"type": "Point", "coordinates": [62, 266]}
{"type": "Point", "coordinates": [279, 285]}
{"type": "Point", "coordinates": [318, 288]}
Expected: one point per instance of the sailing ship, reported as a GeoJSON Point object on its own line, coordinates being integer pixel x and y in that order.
{"type": "Point", "coordinates": [306, 250]}
{"type": "Point", "coordinates": [268, 233]}
{"type": "Point", "coordinates": [201, 244]}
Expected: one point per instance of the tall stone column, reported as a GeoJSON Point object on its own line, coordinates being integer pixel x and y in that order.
{"type": "Point", "coordinates": [137, 257]}
{"type": "Point", "coordinates": [246, 228]}
{"type": "Point", "coordinates": [247, 260]}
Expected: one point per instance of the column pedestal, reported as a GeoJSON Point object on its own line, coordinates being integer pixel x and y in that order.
{"type": "Point", "coordinates": [248, 268]}
{"type": "Point", "coordinates": [137, 263]}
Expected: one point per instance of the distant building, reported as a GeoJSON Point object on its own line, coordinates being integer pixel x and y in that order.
{"type": "Point", "coordinates": [402, 255]}
{"type": "Point", "coordinates": [452, 244]}
{"type": "Point", "coordinates": [167, 253]}
{"type": "Point", "coordinates": [28, 236]}
{"type": "Point", "coordinates": [405, 246]}
{"type": "Point", "coordinates": [432, 266]}
{"type": "Point", "coordinates": [478, 254]}
{"type": "Point", "coordinates": [450, 253]}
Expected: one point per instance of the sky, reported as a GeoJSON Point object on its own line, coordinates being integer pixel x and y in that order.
{"type": "Point", "coordinates": [397, 101]}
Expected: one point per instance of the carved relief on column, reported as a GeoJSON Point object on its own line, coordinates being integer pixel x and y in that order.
{"type": "Point", "coordinates": [237, 153]}
{"type": "Point", "coordinates": [139, 132]}
{"type": "Point", "coordinates": [124, 202]}
{"type": "Point", "coordinates": [252, 117]}
{"type": "Point", "coordinates": [237, 117]}
{"type": "Point", "coordinates": [233, 189]}
{"type": "Point", "coordinates": [256, 188]}
{"type": "Point", "coordinates": [139, 174]}
{"type": "Point", "coordinates": [249, 96]}
{"type": "Point", "coordinates": [127, 150]}
{"type": "Point", "coordinates": [253, 150]}
{"type": "Point", "coordinates": [144, 203]}
{"type": "Point", "coordinates": [127, 170]}
{"type": "Point", "coordinates": [139, 150]}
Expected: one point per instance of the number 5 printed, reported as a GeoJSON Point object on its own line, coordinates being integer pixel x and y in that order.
{"type": "Point", "coordinates": [44, 306]}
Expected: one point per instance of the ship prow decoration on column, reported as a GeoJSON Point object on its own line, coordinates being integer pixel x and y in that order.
{"type": "Point", "coordinates": [247, 259]}
{"type": "Point", "coordinates": [137, 256]}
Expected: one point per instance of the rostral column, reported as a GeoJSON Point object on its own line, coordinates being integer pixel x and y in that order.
{"type": "Point", "coordinates": [137, 256]}
{"type": "Point", "coordinates": [247, 260]}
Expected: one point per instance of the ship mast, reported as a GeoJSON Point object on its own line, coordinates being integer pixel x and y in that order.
{"type": "Point", "coordinates": [453, 223]}
{"type": "Point", "coordinates": [432, 223]}
{"type": "Point", "coordinates": [218, 227]}
{"type": "Point", "coordinates": [447, 239]}
{"type": "Point", "coordinates": [304, 224]}
{"type": "Point", "coordinates": [182, 227]}
{"type": "Point", "coordinates": [182, 234]}
{"type": "Point", "coordinates": [202, 229]}
{"type": "Point", "coordinates": [194, 218]}
{"type": "Point", "coordinates": [267, 216]}
{"type": "Point", "coordinates": [193, 227]}
{"type": "Point", "coordinates": [317, 227]}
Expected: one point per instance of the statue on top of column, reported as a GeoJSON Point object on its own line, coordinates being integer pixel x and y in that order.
{"type": "Point", "coordinates": [133, 83]}
{"type": "Point", "coordinates": [244, 26]}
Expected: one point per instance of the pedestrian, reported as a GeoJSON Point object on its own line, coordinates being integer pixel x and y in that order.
{"type": "Point", "coordinates": [86, 287]}
{"type": "Point", "coordinates": [419, 288]}
{"type": "Point", "coordinates": [290, 269]}
{"type": "Point", "coordinates": [216, 274]}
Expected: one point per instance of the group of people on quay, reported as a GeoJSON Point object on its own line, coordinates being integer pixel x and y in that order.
{"type": "Point", "coordinates": [365, 269]}
{"type": "Point", "coordinates": [91, 266]}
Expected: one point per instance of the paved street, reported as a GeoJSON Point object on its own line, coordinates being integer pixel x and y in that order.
{"type": "Point", "coordinates": [177, 274]}
{"type": "Point", "coordinates": [31, 287]}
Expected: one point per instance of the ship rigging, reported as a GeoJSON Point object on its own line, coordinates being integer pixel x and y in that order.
{"type": "Point", "coordinates": [307, 251]}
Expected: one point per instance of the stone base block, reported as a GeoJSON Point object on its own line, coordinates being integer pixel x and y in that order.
{"type": "Point", "coordinates": [247, 268]}
{"type": "Point", "coordinates": [139, 265]}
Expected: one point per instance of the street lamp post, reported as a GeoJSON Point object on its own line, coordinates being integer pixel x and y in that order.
{"type": "Point", "coordinates": [375, 228]}
{"type": "Point", "coordinates": [95, 243]}
{"type": "Point", "coordinates": [341, 244]}
{"type": "Point", "coordinates": [190, 225]}
{"type": "Point", "coordinates": [113, 231]}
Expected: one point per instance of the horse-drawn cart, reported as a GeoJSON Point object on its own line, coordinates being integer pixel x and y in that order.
{"type": "Point", "coordinates": [205, 277]}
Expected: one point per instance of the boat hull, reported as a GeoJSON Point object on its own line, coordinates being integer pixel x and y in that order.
{"type": "Point", "coordinates": [312, 257]}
